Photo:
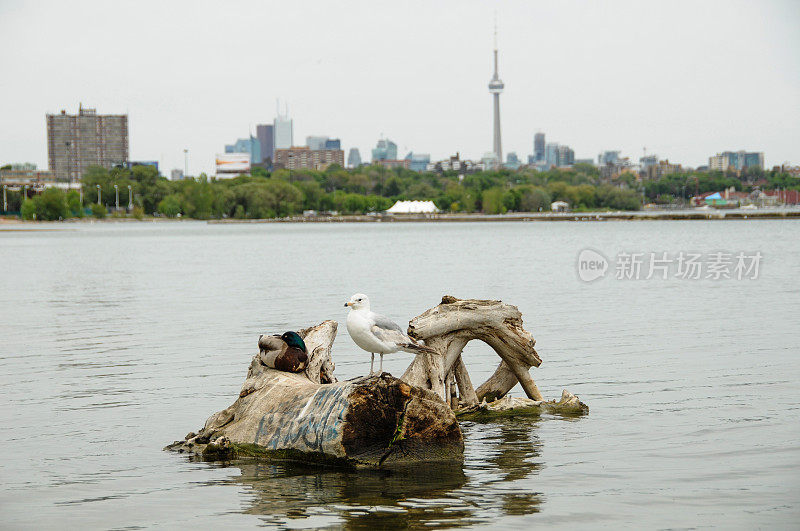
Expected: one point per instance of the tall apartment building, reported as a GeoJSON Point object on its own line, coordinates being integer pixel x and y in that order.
{"type": "Point", "coordinates": [249, 145]}
{"type": "Point", "coordinates": [297, 158]}
{"type": "Point", "coordinates": [736, 160]}
{"type": "Point", "coordinates": [418, 161]}
{"type": "Point", "coordinates": [323, 142]}
{"type": "Point", "coordinates": [608, 158]}
{"type": "Point", "coordinates": [538, 147]}
{"type": "Point", "coordinates": [316, 142]}
{"type": "Point", "coordinates": [75, 142]}
{"type": "Point", "coordinates": [384, 150]}
{"type": "Point", "coordinates": [354, 158]}
{"type": "Point", "coordinates": [566, 156]}
{"type": "Point", "coordinates": [283, 133]}
{"type": "Point", "coordinates": [266, 140]}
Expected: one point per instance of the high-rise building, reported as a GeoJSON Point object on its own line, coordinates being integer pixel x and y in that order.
{"type": "Point", "coordinates": [418, 161]}
{"type": "Point", "coordinates": [566, 156]}
{"type": "Point", "coordinates": [558, 155]}
{"type": "Point", "coordinates": [248, 145]}
{"type": "Point", "coordinates": [736, 160]}
{"type": "Point", "coordinates": [176, 175]}
{"type": "Point", "coordinates": [551, 154]}
{"type": "Point", "coordinates": [512, 161]}
{"type": "Point", "coordinates": [354, 158]}
{"type": "Point", "coordinates": [304, 158]}
{"type": "Point", "coordinates": [316, 142]}
{"type": "Point", "coordinates": [75, 142]}
{"type": "Point", "coordinates": [538, 147]}
{"type": "Point", "coordinates": [266, 141]}
{"type": "Point", "coordinates": [648, 161]}
{"type": "Point", "coordinates": [283, 131]}
{"type": "Point", "coordinates": [384, 150]}
{"type": "Point", "coordinates": [495, 89]}
{"type": "Point", "coordinates": [660, 169]}
{"type": "Point", "coordinates": [489, 161]}
{"type": "Point", "coordinates": [608, 157]}
{"type": "Point", "coordinates": [323, 142]}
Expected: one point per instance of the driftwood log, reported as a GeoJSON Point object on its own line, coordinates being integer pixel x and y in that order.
{"type": "Point", "coordinates": [373, 421]}
{"type": "Point", "coordinates": [448, 328]}
{"type": "Point", "coordinates": [509, 406]}
{"type": "Point", "coordinates": [381, 420]}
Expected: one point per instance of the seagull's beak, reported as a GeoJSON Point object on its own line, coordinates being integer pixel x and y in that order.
{"type": "Point", "coordinates": [348, 304]}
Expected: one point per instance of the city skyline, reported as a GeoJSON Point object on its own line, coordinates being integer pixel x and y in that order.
{"type": "Point", "coordinates": [610, 79]}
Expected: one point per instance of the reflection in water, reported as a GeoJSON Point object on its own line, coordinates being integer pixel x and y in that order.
{"type": "Point", "coordinates": [498, 456]}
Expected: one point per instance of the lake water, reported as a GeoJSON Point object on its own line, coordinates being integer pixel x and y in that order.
{"type": "Point", "coordinates": [119, 338]}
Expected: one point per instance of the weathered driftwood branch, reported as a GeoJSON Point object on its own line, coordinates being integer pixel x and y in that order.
{"type": "Point", "coordinates": [449, 326]}
{"type": "Point", "coordinates": [569, 405]}
{"type": "Point", "coordinates": [376, 421]}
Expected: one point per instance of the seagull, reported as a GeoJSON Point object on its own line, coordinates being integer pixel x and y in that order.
{"type": "Point", "coordinates": [377, 333]}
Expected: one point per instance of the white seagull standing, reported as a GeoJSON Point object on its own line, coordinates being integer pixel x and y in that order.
{"type": "Point", "coordinates": [377, 333]}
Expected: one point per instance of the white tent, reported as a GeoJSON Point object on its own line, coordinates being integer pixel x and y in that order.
{"type": "Point", "coordinates": [413, 207]}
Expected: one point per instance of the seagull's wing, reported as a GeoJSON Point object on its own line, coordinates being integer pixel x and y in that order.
{"type": "Point", "coordinates": [387, 330]}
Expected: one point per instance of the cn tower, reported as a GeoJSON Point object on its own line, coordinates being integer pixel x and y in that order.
{"type": "Point", "coordinates": [495, 88]}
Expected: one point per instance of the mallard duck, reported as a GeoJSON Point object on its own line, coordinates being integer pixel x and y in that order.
{"type": "Point", "coordinates": [286, 352]}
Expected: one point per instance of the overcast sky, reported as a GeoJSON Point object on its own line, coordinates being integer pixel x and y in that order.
{"type": "Point", "coordinates": [683, 79]}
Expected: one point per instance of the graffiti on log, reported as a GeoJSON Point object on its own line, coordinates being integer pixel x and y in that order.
{"type": "Point", "coordinates": [293, 423]}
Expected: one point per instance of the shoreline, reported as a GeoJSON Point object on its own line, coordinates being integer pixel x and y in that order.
{"type": "Point", "coordinates": [10, 224]}
{"type": "Point", "coordinates": [537, 216]}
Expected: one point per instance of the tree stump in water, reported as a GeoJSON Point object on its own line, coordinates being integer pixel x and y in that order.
{"type": "Point", "coordinates": [373, 421]}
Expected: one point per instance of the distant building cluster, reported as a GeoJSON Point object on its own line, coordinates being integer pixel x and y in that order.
{"type": "Point", "coordinates": [273, 147]}
{"type": "Point", "coordinates": [77, 141]}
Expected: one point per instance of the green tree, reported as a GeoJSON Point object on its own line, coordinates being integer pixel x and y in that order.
{"type": "Point", "coordinates": [170, 206]}
{"type": "Point", "coordinates": [534, 199]}
{"type": "Point", "coordinates": [74, 203]}
{"type": "Point", "coordinates": [492, 201]}
{"type": "Point", "coordinates": [28, 209]}
{"type": "Point", "coordinates": [99, 211]}
{"type": "Point", "coordinates": [52, 204]}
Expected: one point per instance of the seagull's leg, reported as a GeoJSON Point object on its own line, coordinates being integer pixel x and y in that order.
{"type": "Point", "coordinates": [372, 364]}
{"type": "Point", "coordinates": [381, 368]}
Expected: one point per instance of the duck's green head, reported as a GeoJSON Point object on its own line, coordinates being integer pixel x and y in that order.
{"type": "Point", "coordinates": [293, 339]}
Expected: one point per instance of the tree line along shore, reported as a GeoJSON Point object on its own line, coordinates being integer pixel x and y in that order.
{"type": "Point", "coordinates": [368, 189]}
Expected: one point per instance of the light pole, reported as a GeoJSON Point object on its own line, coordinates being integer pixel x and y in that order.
{"type": "Point", "coordinates": [69, 161]}
{"type": "Point", "coordinates": [185, 163]}
{"type": "Point", "coordinates": [130, 198]}
{"type": "Point", "coordinates": [24, 194]}
{"type": "Point", "coordinates": [81, 192]}
{"type": "Point", "coordinates": [99, 193]}
{"type": "Point", "coordinates": [116, 189]}
{"type": "Point", "coordinates": [5, 203]}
